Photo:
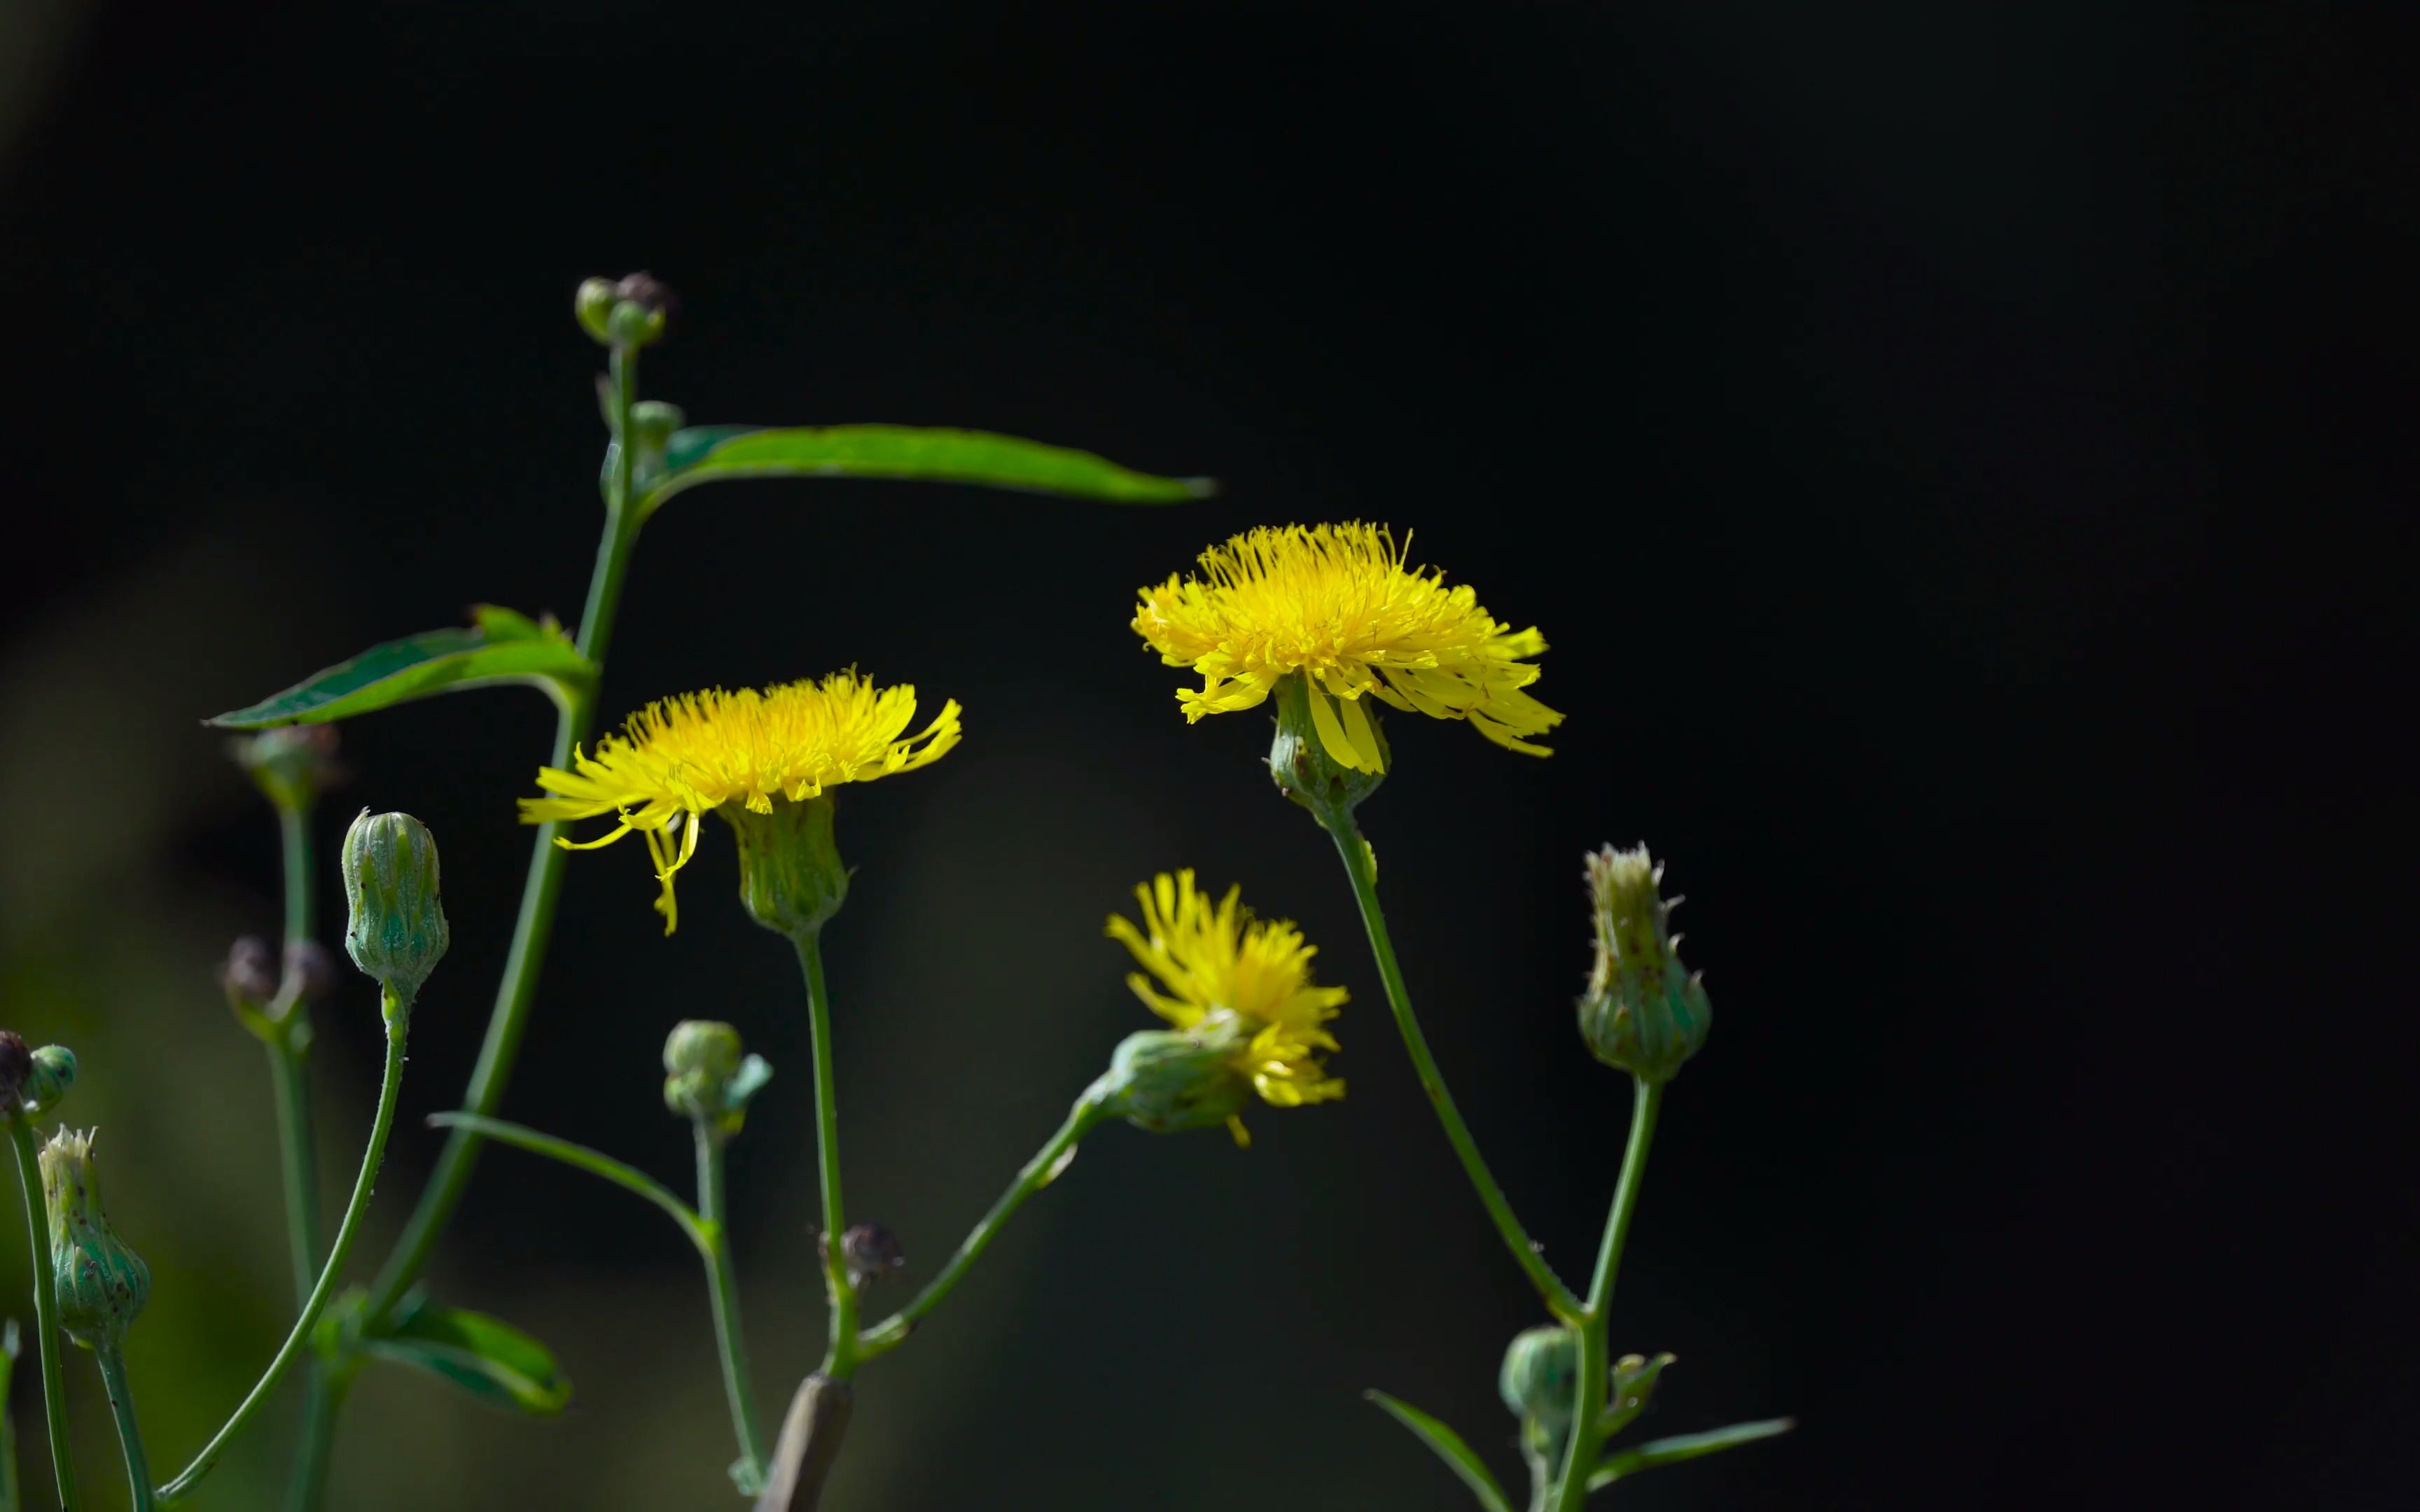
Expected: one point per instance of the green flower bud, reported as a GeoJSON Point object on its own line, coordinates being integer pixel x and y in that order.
{"type": "Point", "coordinates": [1633, 1381]}
{"type": "Point", "coordinates": [291, 763]}
{"type": "Point", "coordinates": [16, 1068]}
{"type": "Point", "coordinates": [594, 307]}
{"type": "Point", "coordinates": [791, 877]}
{"type": "Point", "coordinates": [1643, 1011]}
{"type": "Point", "coordinates": [47, 1084]}
{"type": "Point", "coordinates": [394, 926]}
{"type": "Point", "coordinates": [705, 1077]}
{"type": "Point", "coordinates": [1165, 1080]}
{"type": "Point", "coordinates": [1540, 1379]}
{"type": "Point", "coordinates": [1301, 766]}
{"type": "Point", "coordinates": [102, 1283]}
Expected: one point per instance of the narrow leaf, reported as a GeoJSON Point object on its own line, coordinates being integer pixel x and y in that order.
{"type": "Point", "coordinates": [717, 452]}
{"type": "Point", "coordinates": [580, 1157]}
{"type": "Point", "coordinates": [1686, 1446]}
{"type": "Point", "coordinates": [485, 1356]}
{"type": "Point", "coordinates": [503, 647]}
{"type": "Point", "coordinates": [1447, 1445]}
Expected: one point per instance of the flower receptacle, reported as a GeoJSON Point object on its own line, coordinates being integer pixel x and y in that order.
{"type": "Point", "coordinates": [791, 879]}
{"type": "Point", "coordinates": [1643, 1011]}
{"type": "Point", "coordinates": [1167, 1080]}
{"type": "Point", "coordinates": [1302, 764]}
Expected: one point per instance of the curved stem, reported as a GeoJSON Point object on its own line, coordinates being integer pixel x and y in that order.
{"type": "Point", "coordinates": [398, 1016]}
{"type": "Point", "coordinates": [293, 1089]}
{"type": "Point", "coordinates": [1588, 1430]}
{"type": "Point", "coordinates": [1356, 852]}
{"type": "Point", "coordinates": [46, 1309]}
{"type": "Point", "coordinates": [324, 1401]}
{"type": "Point", "coordinates": [534, 926]}
{"type": "Point", "coordinates": [594, 1162]}
{"type": "Point", "coordinates": [129, 1437]}
{"type": "Point", "coordinates": [840, 1360]}
{"type": "Point", "coordinates": [1046, 1163]}
{"type": "Point", "coordinates": [722, 1288]}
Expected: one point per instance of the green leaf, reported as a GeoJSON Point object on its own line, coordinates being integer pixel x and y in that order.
{"type": "Point", "coordinates": [489, 1358]}
{"type": "Point", "coordinates": [710, 452]}
{"type": "Point", "coordinates": [594, 1162]}
{"type": "Point", "coordinates": [1686, 1446]}
{"type": "Point", "coordinates": [1447, 1445]}
{"type": "Point", "coordinates": [502, 647]}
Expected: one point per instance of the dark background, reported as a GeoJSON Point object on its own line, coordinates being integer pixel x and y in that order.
{"type": "Point", "coordinates": [1956, 452]}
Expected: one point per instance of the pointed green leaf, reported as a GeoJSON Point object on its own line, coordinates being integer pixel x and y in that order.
{"type": "Point", "coordinates": [502, 647]}
{"type": "Point", "coordinates": [1447, 1445]}
{"type": "Point", "coordinates": [1686, 1446]}
{"type": "Point", "coordinates": [706, 453]}
{"type": "Point", "coordinates": [485, 1356]}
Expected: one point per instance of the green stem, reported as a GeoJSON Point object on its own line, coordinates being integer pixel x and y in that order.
{"type": "Point", "coordinates": [322, 1400]}
{"type": "Point", "coordinates": [1047, 1161]}
{"type": "Point", "coordinates": [46, 1309]}
{"type": "Point", "coordinates": [536, 924]}
{"type": "Point", "coordinates": [129, 1437]}
{"type": "Point", "coordinates": [1356, 852]}
{"type": "Point", "coordinates": [840, 1361]}
{"type": "Point", "coordinates": [722, 1286]}
{"type": "Point", "coordinates": [1588, 1430]}
{"type": "Point", "coordinates": [293, 1087]}
{"type": "Point", "coordinates": [298, 1148]}
{"type": "Point", "coordinates": [398, 1017]}
{"type": "Point", "coordinates": [294, 830]}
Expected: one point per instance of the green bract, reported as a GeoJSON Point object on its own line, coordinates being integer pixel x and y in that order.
{"type": "Point", "coordinates": [103, 1285]}
{"type": "Point", "coordinates": [395, 927]}
{"type": "Point", "coordinates": [1643, 1011]}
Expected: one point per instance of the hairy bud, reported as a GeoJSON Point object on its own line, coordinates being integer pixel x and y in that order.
{"type": "Point", "coordinates": [394, 926]}
{"type": "Point", "coordinates": [1643, 1011]}
{"type": "Point", "coordinates": [708, 1078]}
{"type": "Point", "coordinates": [791, 877]}
{"type": "Point", "coordinates": [102, 1283]}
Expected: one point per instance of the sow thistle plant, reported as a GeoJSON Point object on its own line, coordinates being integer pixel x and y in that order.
{"type": "Point", "coordinates": [1325, 623]}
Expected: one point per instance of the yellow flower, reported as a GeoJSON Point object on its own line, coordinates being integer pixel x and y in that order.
{"type": "Point", "coordinates": [681, 758]}
{"type": "Point", "coordinates": [1337, 604]}
{"type": "Point", "coordinates": [1219, 967]}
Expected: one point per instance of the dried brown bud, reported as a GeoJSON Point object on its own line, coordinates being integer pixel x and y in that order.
{"type": "Point", "coordinates": [871, 1251]}
{"type": "Point", "coordinates": [250, 972]}
{"type": "Point", "coordinates": [310, 970]}
{"type": "Point", "coordinates": [17, 1063]}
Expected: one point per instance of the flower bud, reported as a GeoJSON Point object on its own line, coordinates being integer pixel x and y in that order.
{"type": "Point", "coordinates": [310, 971]}
{"type": "Point", "coordinates": [1301, 763]}
{"type": "Point", "coordinates": [249, 973]}
{"type": "Point", "coordinates": [102, 1283]}
{"type": "Point", "coordinates": [705, 1077]}
{"type": "Point", "coordinates": [394, 926]}
{"type": "Point", "coordinates": [1540, 1379]}
{"type": "Point", "coordinates": [46, 1085]}
{"type": "Point", "coordinates": [1633, 1381]}
{"type": "Point", "coordinates": [593, 305]}
{"type": "Point", "coordinates": [791, 877]}
{"type": "Point", "coordinates": [291, 763]}
{"type": "Point", "coordinates": [1165, 1080]}
{"type": "Point", "coordinates": [1643, 1011]}
{"type": "Point", "coordinates": [871, 1251]}
{"type": "Point", "coordinates": [16, 1067]}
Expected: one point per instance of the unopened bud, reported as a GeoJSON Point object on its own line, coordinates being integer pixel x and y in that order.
{"type": "Point", "coordinates": [47, 1084]}
{"type": "Point", "coordinates": [641, 305]}
{"type": "Point", "coordinates": [594, 307]}
{"type": "Point", "coordinates": [394, 926]}
{"type": "Point", "coordinates": [249, 973]}
{"type": "Point", "coordinates": [871, 1251]}
{"type": "Point", "coordinates": [791, 877]}
{"type": "Point", "coordinates": [708, 1078]}
{"type": "Point", "coordinates": [292, 763]}
{"type": "Point", "coordinates": [1643, 1011]}
{"type": "Point", "coordinates": [1540, 1379]}
{"type": "Point", "coordinates": [1167, 1080]}
{"type": "Point", "coordinates": [102, 1283]}
{"type": "Point", "coordinates": [16, 1065]}
{"type": "Point", "coordinates": [1300, 760]}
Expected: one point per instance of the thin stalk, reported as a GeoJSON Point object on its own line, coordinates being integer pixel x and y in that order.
{"type": "Point", "coordinates": [295, 1160]}
{"type": "Point", "coordinates": [297, 1154]}
{"type": "Point", "coordinates": [534, 926]}
{"type": "Point", "coordinates": [322, 1402]}
{"type": "Point", "coordinates": [1356, 852]}
{"type": "Point", "coordinates": [398, 1017]}
{"type": "Point", "coordinates": [46, 1310]}
{"type": "Point", "coordinates": [889, 1334]}
{"type": "Point", "coordinates": [722, 1286]}
{"type": "Point", "coordinates": [1588, 1431]}
{"type": "Point", "coordinates": [129, 1437]}
{"type": "Point", "coordinates": [840, 1361]}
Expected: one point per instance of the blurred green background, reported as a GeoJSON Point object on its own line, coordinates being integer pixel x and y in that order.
{"type": "Point", "coordinates": [1886, 414]}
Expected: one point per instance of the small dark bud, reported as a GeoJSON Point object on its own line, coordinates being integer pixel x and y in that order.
{"type": "Point", "coordinates": [871, 1251]}
{"type": "Point", "coordinates": [646, 291]}
{"type": "Point", "coordinates": [310, 971]}
{"type": "Point", "coordinates": [16, 1065]}
{"type": "Point", "coordinates": [250, 973]}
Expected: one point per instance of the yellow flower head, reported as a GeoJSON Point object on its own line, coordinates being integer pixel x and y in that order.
{"type": "Point", "coordinates": [1337, 604]}
{"type": "Point", "coordinates": [681, 758]}
{"type": "Point", "coordinates": [1215, 960]}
